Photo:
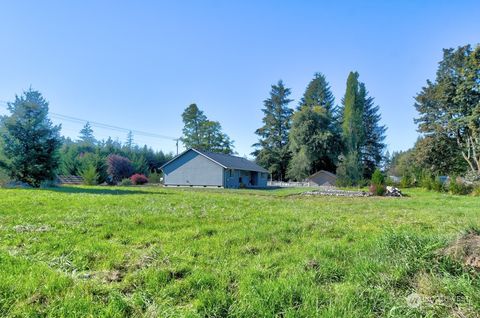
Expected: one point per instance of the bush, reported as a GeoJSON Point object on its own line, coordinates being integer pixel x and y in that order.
{"type": "Point", "coordinates": [119, 168]}
{"type": "Point", "coordinates": [154, 177]}
{"type": "Point", "coordinates": [138, 179]}
{"type": "Point", "coordinates": [407, 181]}
{"type": "Point", "coordinates": [427, 181]}
{"type": "Point", "coordinates": [377, 184]}
{"type": "Point", "coordinates": [126, 182]}
{"type": "Point", "coordinates": [49, 184]}
{"type": "Point", "coordinates": [438, 185]}
{"type": "Point", "coordinates": [89, 175]}
{"type": "Point", "coordinates": [376, 189]}
{"type": "Point", "coordinates": [4, 179]}
{"type": "Point", "coordinates": [476, 191]}
{"type": "Point", "coordinates": [458, 187]}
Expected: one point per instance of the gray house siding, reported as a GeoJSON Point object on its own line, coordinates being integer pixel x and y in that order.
{"type": "Point", "coordinates": [233, 177]}
{"type": "Point", "coordinates": [262, 179]}
{"type": "Point", "coordinates": [193, 169]}
{"type": "Point", "coordinates": [198, 168]}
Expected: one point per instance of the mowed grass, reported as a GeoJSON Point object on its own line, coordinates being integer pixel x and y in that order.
{"type": "Point", "coordinates": [156, 252]}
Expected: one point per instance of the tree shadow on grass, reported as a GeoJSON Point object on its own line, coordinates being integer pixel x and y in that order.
{"type": "Point", "coordinates": [103, 191]}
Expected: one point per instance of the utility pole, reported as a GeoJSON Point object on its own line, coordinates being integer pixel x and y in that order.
{"type": "Point", "coordinates": [176, 142]}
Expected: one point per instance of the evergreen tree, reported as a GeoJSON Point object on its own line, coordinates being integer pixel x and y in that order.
{"type": "Point", "coordinates": [129, 144]}
{"type": "Point", "coordinates": [30, 141]}
{"type": "Point", "coordinates": [349, 170]}
{"type": "Point", "coordinates": [352, 120]}
{"type": "Point", "coordinates": [86, 135]}
{"type": "Point", "coordinates": [272, 149]}
{"type": "Point", "coordinates": [203, 134]}
{"type": "Point", "coordinates": [363, 135]}
{"type": "Point", "coordinates": [314, 136]}
{"type": "Point", "coordinates": [318, 93]}
{"type": "Point", "coordinates": [372, 150]}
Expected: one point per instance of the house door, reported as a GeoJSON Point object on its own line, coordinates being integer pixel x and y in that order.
{"type": "Point", "coordinates": [253, 178]}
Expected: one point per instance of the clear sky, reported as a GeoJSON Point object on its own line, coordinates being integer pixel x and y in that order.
{"type": "Point", "coordinates": [138, 64]}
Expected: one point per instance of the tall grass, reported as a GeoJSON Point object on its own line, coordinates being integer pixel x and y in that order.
{"type": "Point", "coordinates": [155, 252]}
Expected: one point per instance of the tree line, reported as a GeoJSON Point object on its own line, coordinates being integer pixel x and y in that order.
{"type": "Point", "coordinates": [448, 120]}
{"type": "Point", "coordinates": [346, 139]}
{"type": "Point", "coordinates": [33, 151]}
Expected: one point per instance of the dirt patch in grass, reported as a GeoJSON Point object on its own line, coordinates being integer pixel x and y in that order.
{"type": "Point", "coordinates": [466, 250]}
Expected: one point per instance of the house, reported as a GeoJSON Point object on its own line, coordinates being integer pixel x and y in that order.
{"type": "Point", "coordinates": [200, 168]}
{"type": "Point", "coordinates": [322, 178]}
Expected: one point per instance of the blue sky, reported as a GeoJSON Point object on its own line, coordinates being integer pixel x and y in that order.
{"type": "Point", "coordinates": [138, 64]}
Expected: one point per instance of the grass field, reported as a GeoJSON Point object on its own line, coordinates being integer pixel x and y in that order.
{"type": "Point", "coordinates": [155, 252]}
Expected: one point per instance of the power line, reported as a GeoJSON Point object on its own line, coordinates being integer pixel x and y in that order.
{"type": "Point", "coordinates": [108, 126]}
{"type": "Point", "coordinates": [105, 126]}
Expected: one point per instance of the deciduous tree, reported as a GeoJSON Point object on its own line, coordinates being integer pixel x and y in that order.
{"type": "Point", "coordinates": [203, 134]}
{"type": "Point", "coordinates": [450, 105]}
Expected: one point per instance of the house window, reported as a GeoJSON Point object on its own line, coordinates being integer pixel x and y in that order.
{"type": "Point", "coordinates": [230, 172]}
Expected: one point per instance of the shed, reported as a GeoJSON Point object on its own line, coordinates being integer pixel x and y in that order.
{"type": "Point", "coordinates": [323, 178]}
{"type": "Point", "coordinates": [207, 169]}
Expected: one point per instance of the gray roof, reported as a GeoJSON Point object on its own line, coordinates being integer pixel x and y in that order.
{"type": "Point", "coordinates": [232, 162]}
{"type": "Point", "coordinates": [227, 161]}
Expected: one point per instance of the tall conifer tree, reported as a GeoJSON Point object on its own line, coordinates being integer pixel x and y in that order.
{"type": "Point", "coordinates": [315, 136]}
{"type": "Point", "coordinates": [30, 141]}
{"type": "Point", "coordinates": [349, 170]}
{"type": "Point", "coordinates": [86, 135]}
{"type": "Point", "coordinates": [272, 148]}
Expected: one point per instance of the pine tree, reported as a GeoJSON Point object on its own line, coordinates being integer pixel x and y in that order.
{"type": "Point", "coordinates": [372, 150]}
{"type": "Point", "coordinates": [314, 137]}
{"type": "Point", "coordinates": [86, 135]}
{"type": "Point", "coordinates": [272, 149]}
{"type": "Point", "coordinates": [30, 141]}
{"type": "Point", "coordinates": [129, 143]}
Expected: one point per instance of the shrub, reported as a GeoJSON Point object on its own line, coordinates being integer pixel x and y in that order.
{"type": "Point", "coordinates": [406, 181]}
{"type": "Point", "coordinates": [4, 179]}
{"type": "Point", "coordinates": [458, 187]}
{"type": "Point", "coordinates": [119, 168]}
{"type": "Point", "coordinates": [126, 182]}
{"type": "Point", "coordinates": [377, 189]}
{"type": "Point", "coordinates": [154, 177]}
{"type": "Point", "coordinates": [89, 175]}
{"type": "Point", "coordinates": [377, 184]}
{"type": "Point", "coordinates": [138, 179]}
{"type": "Point", "coordinates": [438, 185]}
{"type": "Point", "coordinates": [476, 191]}
{"type": "Point", "coordinates": [427, 181]}
{"type": "Point", "coordinates": [49, 184]}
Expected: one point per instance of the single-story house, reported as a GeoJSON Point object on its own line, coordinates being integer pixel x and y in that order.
{"type": "Point", "coordinates": [322, 178]}
{"type": "Point", "coordinates": [200, 168]}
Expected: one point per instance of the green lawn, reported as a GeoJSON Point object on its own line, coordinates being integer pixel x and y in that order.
{"type": "Point", "coordinates": [155, 252]}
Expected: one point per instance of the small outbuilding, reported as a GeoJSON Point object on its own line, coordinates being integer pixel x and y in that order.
{"type": "Point", "coordinates": [207, 169]}
{"type": "Point", "coordinates": [322, 178]}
